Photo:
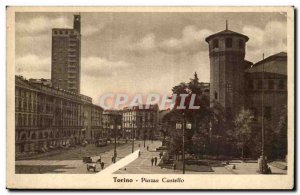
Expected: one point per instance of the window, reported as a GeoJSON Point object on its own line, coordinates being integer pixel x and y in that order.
{"type": "Point", "coordinates": [271, 84]}
{"type": "Point", "coordinates": [241, 44]}
{"type": "Point", "coordinates": [250, 84]}
{"type": "Point", "coordinates": [281, 84]}
{"type": "Point", "coordinates": [259, 84]}
{"type": "Point", "coordinates": [228, 42]}
{"type": "Point", "coordinates": [268, 112]}
{"type": "Point", "coordinates": [228, 87]}
{"type": "Point", "coordinates": [216, 95]}
{"type": "Point", "coordinates": [215, 43]}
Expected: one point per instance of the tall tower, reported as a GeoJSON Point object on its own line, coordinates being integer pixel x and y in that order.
{"type": "Point", "coordinates": [76, 23]}
{"type": "Point", "coordinates": [227, 65]}
{"type": "Point", "coordinates": [66, 54]}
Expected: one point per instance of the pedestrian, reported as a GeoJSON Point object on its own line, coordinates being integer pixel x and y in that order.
{"type": "Point", "coordinates": [139, 153]}
{"type": "Point", "coordinates": [112, 159]}
{"type": "Point", "coordinates": [155, 161]}
{"type": "Point", "coordinates": [160, 155]}
{"type": "Point", "coordinates": [102, 165]}
{"type": "Point", "coordinates": [152, 161]}
{"type": "Point", "coordinates": [139, 145]}
{"type": "Point", "coordinates": [174, 167]}
{"type": "Point", "coordinates": [147, 148]}
{"type": "Point", "coordinates": [99, 160]}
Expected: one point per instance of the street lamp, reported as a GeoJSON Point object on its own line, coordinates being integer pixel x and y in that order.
{"type": "Point", "coordinates": [133, 135]}
{"type": "Point", "coordinates": [183, 125]}
{"type": "Point", "coordinates": [144, 138]}
{"type": "Point", "coordinates": [112, 127]}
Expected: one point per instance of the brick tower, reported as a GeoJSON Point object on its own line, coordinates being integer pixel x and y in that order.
{"type": "Point", "coordinates": [227, 65]}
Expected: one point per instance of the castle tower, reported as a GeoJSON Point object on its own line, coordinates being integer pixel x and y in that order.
{"type": "Point", "coordinates": [227, 65]}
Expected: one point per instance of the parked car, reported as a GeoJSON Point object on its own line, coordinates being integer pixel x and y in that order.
{"type": "Point", "coordinates": [101, 142]}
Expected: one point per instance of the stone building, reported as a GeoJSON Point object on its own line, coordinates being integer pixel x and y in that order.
{"type": "Point", "coordinates": [270, 77]}
{"type": "Point", "coordinates": [227, 70]}
{"type": "Point", "coordinates": [140, 121]}
{"type": "Point", "coordinates": [47, 117]}
{"type": "Point", "coordinates": [112, 123]}
{"type": "Point", "coordinates": [236, 83]}
{"type": "Point", "coordinates": [65, 59]}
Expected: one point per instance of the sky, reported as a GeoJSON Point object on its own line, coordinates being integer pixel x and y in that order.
{"type": "Point", "coordinates": [142, 52]}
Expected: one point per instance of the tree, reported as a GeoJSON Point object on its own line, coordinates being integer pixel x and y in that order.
{"type": "Point", "coordinates": [199, 118]}
{"type": "Point", "coordinates": [242, 127]}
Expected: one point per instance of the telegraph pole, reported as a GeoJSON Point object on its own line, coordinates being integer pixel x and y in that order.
{"type": "Point", "coordinates": [263, 161]}
{"type": "Point", "coordinates": [133, 135]}
{"type": "Point", "coordinates": [183, 149]}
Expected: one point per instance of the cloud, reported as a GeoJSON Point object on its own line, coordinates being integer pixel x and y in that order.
{"type": "Point", "coordinates": [32, 63]}
{"type": "Point", "coordinates": [91, 29]}
{"type": "Point", "coordinates": [32, 66]}
{"type": "Point", "coordinates": [146, 45]}
{"type": "Point", "coordinates": [191, 41]}
{"type": "Point", "coordinates": [270, 40]}
{"type": "Point", "coordinates": [102, 67]}
{"type": "Point", "coordinates": [41, 24]}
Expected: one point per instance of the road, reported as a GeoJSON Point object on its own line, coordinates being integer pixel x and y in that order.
{"type": "Point", "coordinates": [72, 161]}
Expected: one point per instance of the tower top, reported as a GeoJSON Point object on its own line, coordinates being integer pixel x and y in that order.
{"type": "Point", "coordinates": [76, 22]}
{"type": "Point", "coordinates": [226, 33]}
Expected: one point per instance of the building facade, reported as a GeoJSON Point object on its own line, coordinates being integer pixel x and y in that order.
{"type": "Point", "coordinates": [65, 59]}
{"type": "Point", "coordinates": [236, 83]}
{"type": "Point", "coordinates": [140, 122]}
{"type": "Point", "coordinates": [112, 123]}
{"type": "Point", "coordinates": [47, 117]}
{"type": "Point", "coordinates": [266, 82]}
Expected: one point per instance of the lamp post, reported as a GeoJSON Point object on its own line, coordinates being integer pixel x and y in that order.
{"type": "Point", "coordinates": [112, 127]}
{"type": "Point", "coordinates": [263, 166]}
{"type": "Point", "coordinates": [183, 126]}
{"type": "Point", "coordinates": [183, 140]}
{"type": "Point", "coordinates": [144, 139]}
{"type": "Point", "coordinates": [133, 135]}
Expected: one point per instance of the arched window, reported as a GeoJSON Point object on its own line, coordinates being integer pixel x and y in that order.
{"type": "Point", "coordinates": [33, 136]}
{"type": "Point", "coordinates": [241, 44]}
{"type": "Point", "coordinates": [23, 137]}
{"type": "Point", "coordinates": [215, 43]}
{"type": "Point", "coordinates": [228, 42]}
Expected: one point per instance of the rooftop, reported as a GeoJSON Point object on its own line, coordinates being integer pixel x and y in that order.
{"type": "Point", "coordinates": [276, 63]}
